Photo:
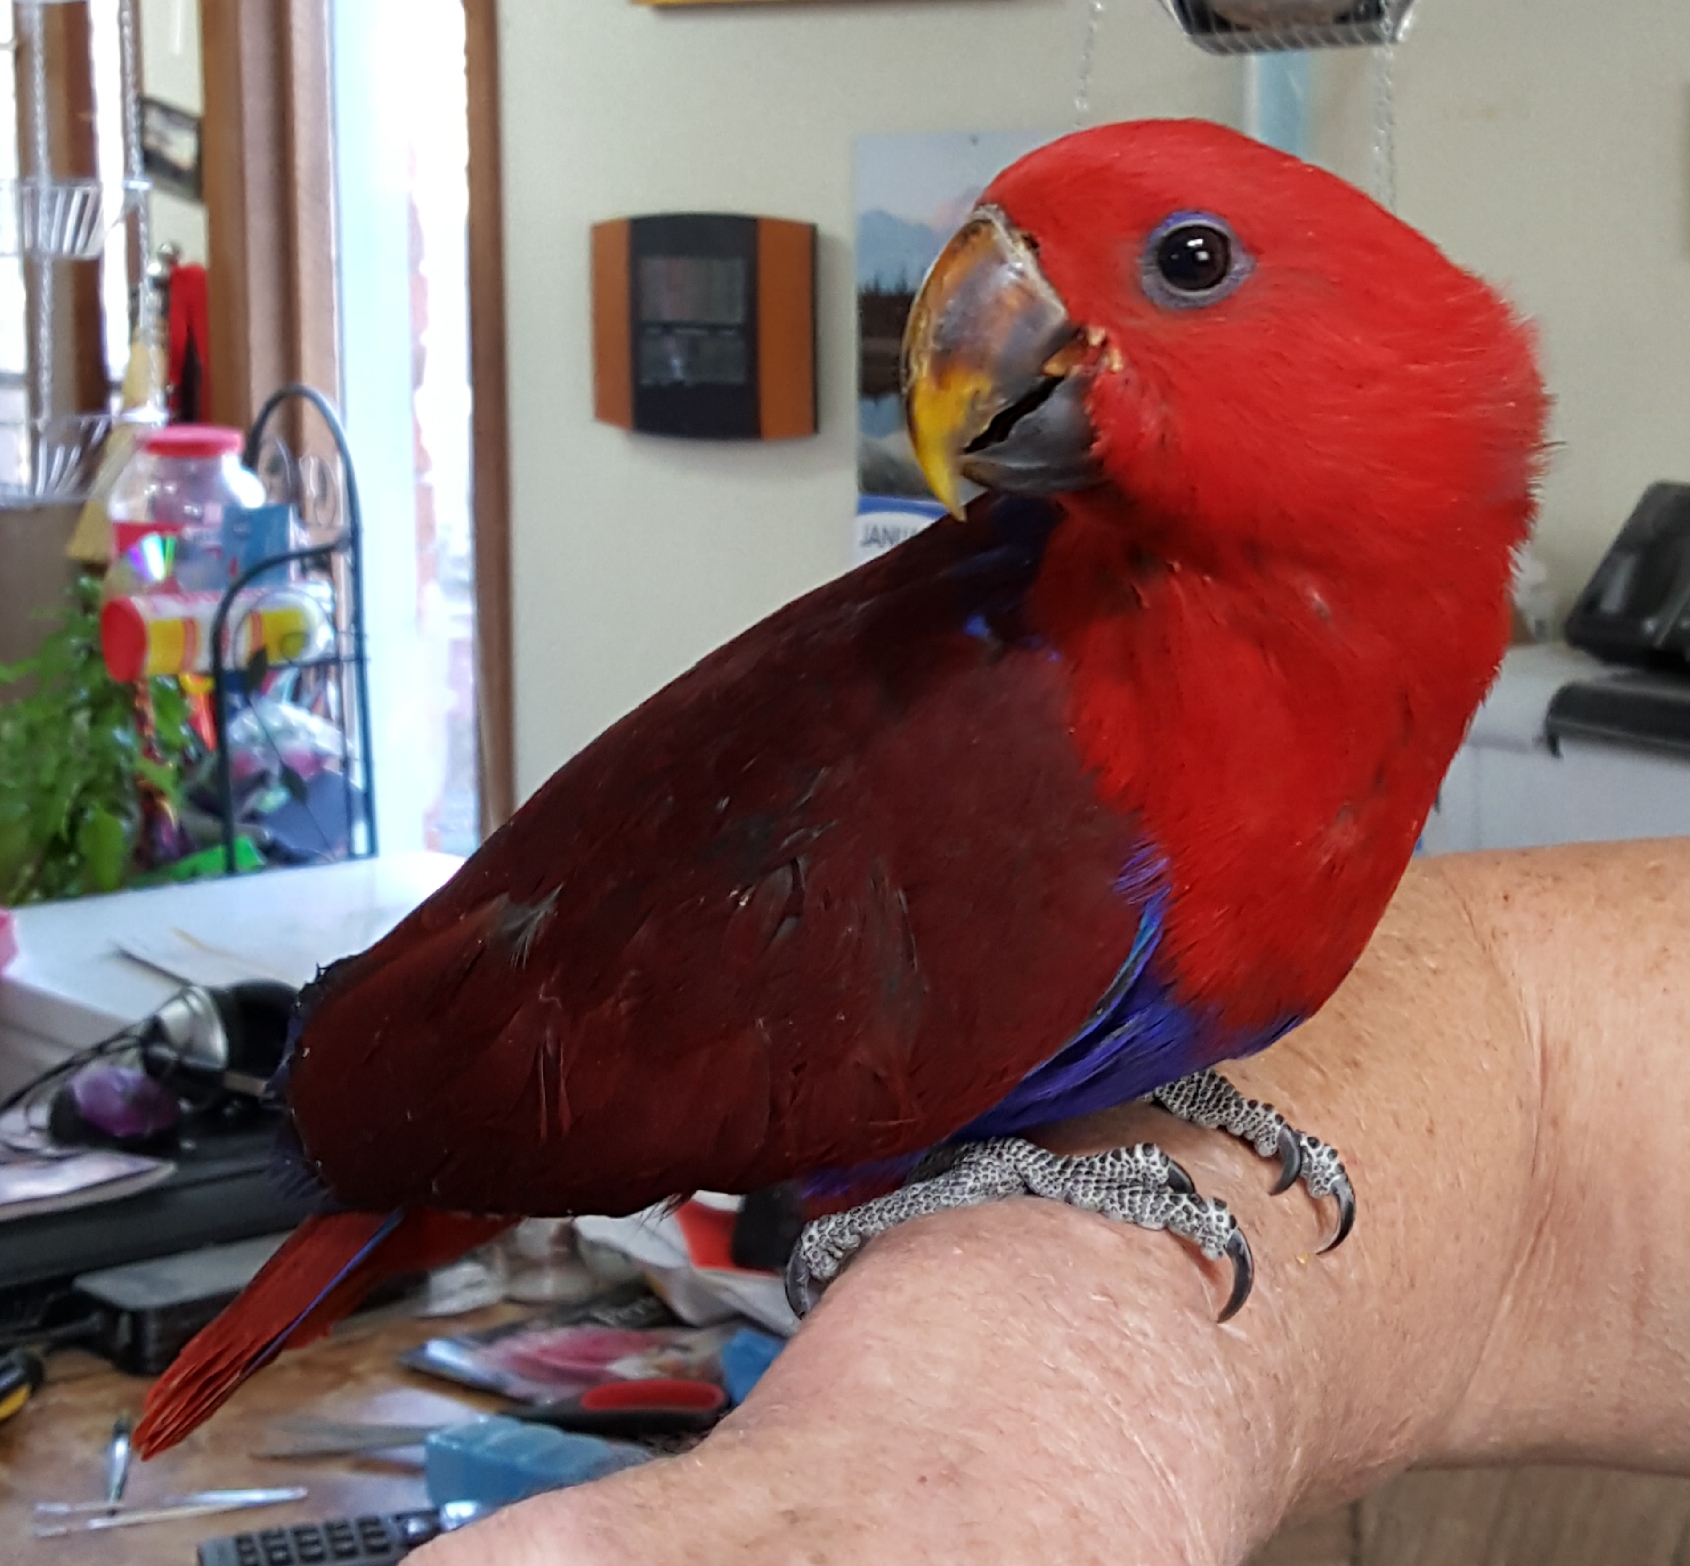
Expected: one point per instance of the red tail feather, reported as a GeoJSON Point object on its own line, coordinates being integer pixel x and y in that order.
{"type": "Point", "coordinates": [294, 1300]}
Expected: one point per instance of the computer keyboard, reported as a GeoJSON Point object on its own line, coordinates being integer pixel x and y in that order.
{"type": "Point", "coordinates": [346, 1541]}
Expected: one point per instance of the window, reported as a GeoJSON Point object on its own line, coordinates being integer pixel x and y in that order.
{"type": "Point", "coordinates": [401, 166]}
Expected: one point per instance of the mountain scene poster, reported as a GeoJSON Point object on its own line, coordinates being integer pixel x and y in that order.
{"type": "Point", "coordinates": [911, 193]}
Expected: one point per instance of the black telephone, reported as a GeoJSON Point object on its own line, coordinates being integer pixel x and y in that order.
{"type": "Point", "coordinates": [1636, 608]}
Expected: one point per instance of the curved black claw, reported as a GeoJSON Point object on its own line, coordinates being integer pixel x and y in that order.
{"type": "Point", "coordinates": [1243, 1274]}
{"type": "Point", "coordinates": [1345, 1197]}
{"type": "Point", "coordinates": [1290, 1160]}
{"type": "Point", "coordinates": [802, 1290]}
{"type": "Point", "coordinates": [1179, 1180]}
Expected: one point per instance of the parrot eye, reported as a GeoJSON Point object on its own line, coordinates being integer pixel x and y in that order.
{"type": "Point", "coordinates": [1193, 259]}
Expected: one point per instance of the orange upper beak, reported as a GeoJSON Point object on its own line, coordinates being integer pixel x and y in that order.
{"type": "Point", "coordinates": [993, 392]}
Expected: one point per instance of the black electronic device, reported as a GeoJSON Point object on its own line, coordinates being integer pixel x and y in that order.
{"type": "Point", "coordinates": [206, 1048]}
{"type": "Point", "coordinates": [220, 1190]}
{"type": "Point", "coordinates": [346, 1541]}
{"type": "Point", "coordinates": [1636, 608]}
{"type": "Point", "coordinates": [212, 1050]}
{"type": "Point", "coordinates": [210, 1043]}
{"type": "Point", "coordinates": [1639, 708]}
{"type": "Point", "coordinates": [148, 1310]}
{"type": "Point", "coordinates": [704, 325]}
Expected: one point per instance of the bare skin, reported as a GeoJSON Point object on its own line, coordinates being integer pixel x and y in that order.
{"type": "Point", "coordinates": [1506, 1074]}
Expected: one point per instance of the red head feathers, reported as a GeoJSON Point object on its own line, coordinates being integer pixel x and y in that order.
{"type": "Point", "coordinates": [1331, 392]}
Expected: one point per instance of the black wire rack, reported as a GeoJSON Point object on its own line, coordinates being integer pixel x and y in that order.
{"type": "Point", "coordinates": [336, 684]}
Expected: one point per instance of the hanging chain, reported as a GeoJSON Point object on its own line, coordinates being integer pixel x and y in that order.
{"type": "Point", "coordinates": [1385, 127]}
{"type": "Point", "coordinates": [36, 193]}
{"type": "Point", "coordinates": [1088, 53]}
{"type": "Point", "coordinates": [129, 63]}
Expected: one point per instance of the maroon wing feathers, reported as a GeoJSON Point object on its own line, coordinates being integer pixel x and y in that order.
{"type": "Point", "coordinates": [819, 902]}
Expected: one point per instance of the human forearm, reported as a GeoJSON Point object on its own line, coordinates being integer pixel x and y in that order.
{"type": "Point", "coordinates": [1591, 1350]}
{"type": "Point", "coordinates": [1025, 1381]}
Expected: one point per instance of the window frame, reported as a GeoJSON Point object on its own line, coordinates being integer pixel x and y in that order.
{"type": "Point", "coordinates": [273, 278]}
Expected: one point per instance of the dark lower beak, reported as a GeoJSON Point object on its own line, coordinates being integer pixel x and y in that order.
{"type": "Point", "coordinates": [994, 389]}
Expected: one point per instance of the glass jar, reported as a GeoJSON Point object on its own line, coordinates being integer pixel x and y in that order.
{"type": "Point", "coordinates": [168, 509]}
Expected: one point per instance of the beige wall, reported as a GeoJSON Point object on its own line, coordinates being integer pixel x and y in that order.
{"type": "Point", "coordinates": [1540, 141]}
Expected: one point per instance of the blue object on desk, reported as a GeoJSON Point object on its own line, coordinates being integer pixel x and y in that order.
{"type": "Point", "coordinates": [495, 1461]}
{"type": "Point", "coordinates": [745, 1356]}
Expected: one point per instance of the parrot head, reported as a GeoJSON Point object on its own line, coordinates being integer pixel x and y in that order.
{"type": "Point", "coordinates": [1250, 353]}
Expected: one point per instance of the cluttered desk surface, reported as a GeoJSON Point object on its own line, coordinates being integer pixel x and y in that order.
{"type": "Point", "coordinates": [55, 1449]}
{"type": "Point", "coordinates": [645, 1348]}
{"type": "Point", "coordinates": [387, 1415]}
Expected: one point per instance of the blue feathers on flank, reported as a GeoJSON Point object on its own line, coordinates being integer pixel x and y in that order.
{"type": "Point", "coordinates": [1138, 1038]}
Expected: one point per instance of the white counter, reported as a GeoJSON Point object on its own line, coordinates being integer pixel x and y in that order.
{"type": "Point", "coordinates": [71, 985]}
{"type": "Point", "coordinates": [1508, 789]}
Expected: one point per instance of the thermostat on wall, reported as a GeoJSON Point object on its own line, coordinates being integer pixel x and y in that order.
{"type": "Point", "coordinates": [704, 324]}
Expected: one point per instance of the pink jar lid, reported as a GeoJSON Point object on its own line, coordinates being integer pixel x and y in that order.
{"type": "Point", "coordinates": [194, 440]}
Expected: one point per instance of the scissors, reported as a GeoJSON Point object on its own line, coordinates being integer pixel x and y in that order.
{"type": "Point", "coordinates": [613, 1408]}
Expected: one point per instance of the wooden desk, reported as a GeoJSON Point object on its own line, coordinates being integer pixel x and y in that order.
{"type": "Point", "coordinates": [55, 1449]}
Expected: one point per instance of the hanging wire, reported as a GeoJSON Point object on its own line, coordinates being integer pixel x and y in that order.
{"type": "Point", "coordinates": [1088, 54]}
{"type": "Point", "coordinates": [129, 65]}
{"type": "Point", "coordinates": [34, 193]}
{"type": "Point", "coordinates": [1385, 127]}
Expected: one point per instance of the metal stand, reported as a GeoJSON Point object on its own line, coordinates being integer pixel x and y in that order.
{"type": "Point", "coordinates": [343, 674]}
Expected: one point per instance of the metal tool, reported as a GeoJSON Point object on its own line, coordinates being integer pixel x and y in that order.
{"type": "Point", "coordinates": [271, 1496]}
{"type": "Point", "coordinates": [1261, 26]}
{"type": "Point", "coordinates": [628, 1409]}
{"type": "Point", "coordinates": [118, 1455]}
{"type": "Point", "coordinates": [339, 1437]}
{"type": "Point", "coordinates": [97, 1516]}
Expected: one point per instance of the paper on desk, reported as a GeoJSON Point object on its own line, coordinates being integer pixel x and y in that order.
{"type": "Point", "coordinates": [31, 1186]}
{"type": "Point", "coordinates": [288, 950]}
{"type": "Point", "coordinates": [684, 1253]}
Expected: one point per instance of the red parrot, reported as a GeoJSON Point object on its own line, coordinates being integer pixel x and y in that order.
{"type": "Point", "coordinates": [1055, 806]}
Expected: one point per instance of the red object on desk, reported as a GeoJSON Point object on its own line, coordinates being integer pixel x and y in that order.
{"type": "Point", "coordinates": [8, 940]}
{"type": "Point", "coordinates": [708, 1232]}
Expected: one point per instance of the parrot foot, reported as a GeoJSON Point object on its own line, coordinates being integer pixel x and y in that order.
{"type": "Point", "coordinates": [1137, 1185]}
{"type": "Point", "coordinates": [1207, 1099]}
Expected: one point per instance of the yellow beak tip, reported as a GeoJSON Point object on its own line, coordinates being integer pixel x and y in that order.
{"type": "Point", "coordinates": [946, 493]}
{"type": "Point", "coordinates": [934, 420]}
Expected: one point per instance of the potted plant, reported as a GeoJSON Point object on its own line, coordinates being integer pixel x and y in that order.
{"type": "Point", "coordinates": [90, 769]}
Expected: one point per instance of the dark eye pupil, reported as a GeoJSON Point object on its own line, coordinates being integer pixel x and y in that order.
{"type": "Point", "coordinates": [1194, 258]}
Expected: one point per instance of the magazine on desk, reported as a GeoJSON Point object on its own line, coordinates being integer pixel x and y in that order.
{"type": "Point", "coordinates": [41, 1184]}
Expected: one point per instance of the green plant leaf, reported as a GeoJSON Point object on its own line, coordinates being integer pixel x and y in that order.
{"type": "Point", "coordinates": [104, 848]}
{"type": "Point", "coordinates": [14, 848]}
{"type": "Point", "coordinates": [164, 778]}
